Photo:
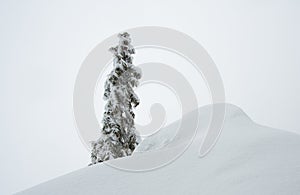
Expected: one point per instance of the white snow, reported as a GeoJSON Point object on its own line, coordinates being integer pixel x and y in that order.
{"type": "Point", "coordinates": [247, 159]}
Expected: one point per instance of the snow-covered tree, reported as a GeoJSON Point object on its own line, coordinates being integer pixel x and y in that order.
{"type": "Point", "coordinates": [118, 134]}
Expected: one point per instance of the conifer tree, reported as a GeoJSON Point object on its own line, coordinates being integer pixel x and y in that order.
{"type": "Point", "coordinates": [118, 136]}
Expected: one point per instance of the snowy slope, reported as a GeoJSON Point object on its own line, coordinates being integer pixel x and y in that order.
{"type": "Point", "coordinates": [247, 159]}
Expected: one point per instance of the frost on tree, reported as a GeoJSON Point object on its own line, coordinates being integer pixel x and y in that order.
{"type": "Point", "coordinates": [118, 134]}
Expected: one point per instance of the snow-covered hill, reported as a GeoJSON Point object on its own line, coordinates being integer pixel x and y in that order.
{"type": "Point", "coordinates": [247, 159]}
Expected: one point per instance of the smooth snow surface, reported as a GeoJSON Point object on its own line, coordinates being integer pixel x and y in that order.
{"type": "Point", "coordinates": [247, 159]}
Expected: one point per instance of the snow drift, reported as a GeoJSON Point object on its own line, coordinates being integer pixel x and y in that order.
{"type": "Point", "coordinates": [247, 159]}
